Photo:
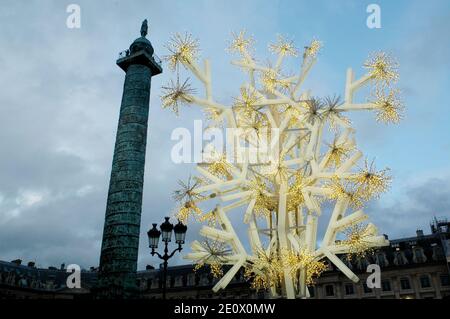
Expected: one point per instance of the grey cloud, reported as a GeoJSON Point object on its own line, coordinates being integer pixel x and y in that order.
{"type": "Point", "coordinates": [418, 205]}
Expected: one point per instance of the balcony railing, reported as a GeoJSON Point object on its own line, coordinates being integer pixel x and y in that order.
{"type": "Point", "coordinates": [123, 54]}
{"type": "Point", "coordinates": [126, 53]}
{"type": "Point", "coordinates": [157, 60]}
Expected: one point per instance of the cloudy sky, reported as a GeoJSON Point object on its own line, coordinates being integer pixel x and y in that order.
{"type": "Point", "coordinates": [60, 93]}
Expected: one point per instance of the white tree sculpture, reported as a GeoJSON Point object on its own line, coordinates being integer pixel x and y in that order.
{"type": "Point", "coordinates": [281, 193]}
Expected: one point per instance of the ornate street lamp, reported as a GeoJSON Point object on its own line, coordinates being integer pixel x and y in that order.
{"type": "Point", "coordinates": [180, 232]}
{"type": "Point", "coordinates": [166, 232]}
{"type": "Point", "coordinates": [166, 229]}
{"type": "Point", "coordinates": [153, 237]}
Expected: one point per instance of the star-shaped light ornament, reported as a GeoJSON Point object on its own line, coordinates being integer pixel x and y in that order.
{"type": "Point", "coordinates": [283, 172]}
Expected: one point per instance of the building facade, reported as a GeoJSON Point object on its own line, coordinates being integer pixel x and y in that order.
{"type": "Point", "coordinates": [411, 268]}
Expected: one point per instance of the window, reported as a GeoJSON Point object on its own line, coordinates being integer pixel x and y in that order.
{"type": "Point", "coordinates": [419, 256]}
{"type": "Point", "coordinates": [362, 264]}
{"type": "Point", "coordinates": [425, 281]}
{"type": "Point", "coordinates": [191, 280]}
{"type": "Point", "coordinates": [159, 282]}
{"type": "Point", "coordinates": [381, 260]}
{"type": "Point", "coordinates": [197, 279]}
{"type": "Point", "coordinates": [329, 290]}
{"type": "Point", "coordinates": [445, 280]}
{"type": "Point", "coordinates": [438, 253]}
{"type": "Point", "coordinates": [367, 290]}
{"type": "Point", "coordinates": [404, 283]}
{"type": "Point", "coordinates": [149, 283]}
{"type": "Point", "coordinates": [400, 259]}
{"type": "Point", "coordinates": [349, 289]}
{"type": "Point", "coordinates": [386, 285]}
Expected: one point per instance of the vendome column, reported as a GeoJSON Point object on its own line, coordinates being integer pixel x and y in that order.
{"type": "Point", "coordinates": [119, 252]}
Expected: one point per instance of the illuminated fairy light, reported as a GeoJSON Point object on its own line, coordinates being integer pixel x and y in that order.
{"type": "Point", "coordinates": [183, 49]}
{"type": "Point", "coordinates": [390, 108]}
{"type": "Point", "coordinates": [269, 80]}
{"type": "Point", "coordinates": [176, 94]}
{"type": "Point", "coordinates": [251, 124]}
{"type": "Point", "coordinates": [295, 195]}
{"type": "Point", "coordinates": [372, 182]}
{"type": "Point", "coordinates": [245, 103]}
{"type": "Point", "coordinates": [187, 210]}
{"type": "Point", "coordinates": [214, 116]}
{"type": "Point", "coordinates": [358, 241]}
{"type": "Point", "coordinates": [314, 113]}
{"type": "Point", "coordinates": [188, 197]}
{"type": "Point", "coordinates": [283, 47]}
{"type": "Point", "coordinates": [313, 49]}
{"type": "Point", "coordinates": [292, 111]}
{"type": "Point", "coordinates": [241, 42]}
{"type": "Point", "coordinates": [265, 270]}
{"type": "Point", "coordinates": [214, 256]}
{"type": "Point", "coordinates": [333, 114]}
{"type": "Point", "coordinates": [281, 200]}
{"type": "Point", "coordinates": [347, 190]}
{"type": "Point", "coordinates": [338, 152]}
{"type": "Point", "coordinates": [188, 192]}
{"type": "Point", "coordinates": [220, 168]}
{"type": "Point", "coordinates": [211, 218]}
{"type": "Point", "coordinates": [304, 261]}
{"type": "Point", "coordinates": [264, 204]}
{"type": "Point", "coordinates": [382, 67]}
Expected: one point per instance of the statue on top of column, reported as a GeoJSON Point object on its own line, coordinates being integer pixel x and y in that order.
{"type": "Point", "coordinates": [144, 28]}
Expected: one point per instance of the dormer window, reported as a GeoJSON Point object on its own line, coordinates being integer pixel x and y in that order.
{"type": "Point", "coordinates": [418, 255]}
{"type": "Point", "coordinates": [362, 263]}
{"type": "Point", "coordinates": [381, 260]}
{"type": "Point", "coordinates": [400, 259]}
{"type": "Point", "coordinates": [437, 253]}
{"type": "Point", "coordinates": [347, 262]}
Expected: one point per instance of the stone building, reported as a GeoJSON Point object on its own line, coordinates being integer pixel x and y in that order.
{"type": "Point", "coordinates": [416, 267]}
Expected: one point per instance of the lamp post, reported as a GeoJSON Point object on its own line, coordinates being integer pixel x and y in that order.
{"type": "Point", "coordinates": [166, 229]}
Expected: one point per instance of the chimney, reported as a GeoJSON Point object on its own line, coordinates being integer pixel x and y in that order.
{"type": "Point", "coordinates": [63, 266]}
{"type": "Point", "coordinates": [18, 262]}
{"type": "Point", "coordinates": [419, 233]}
{"type": "Point", "coordinates": [386, 236]}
